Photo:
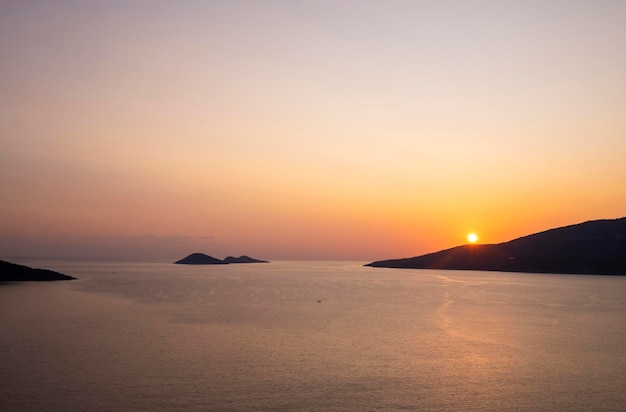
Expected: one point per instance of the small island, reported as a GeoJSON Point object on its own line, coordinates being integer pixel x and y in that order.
{"type": "Point", "coordinates": [596, 247]}
{"type": "Point", "coordinates": [11, 272]}
{"type": "Point", "coordinates": [202, 259]}
{"type": "Point", "coordinates": [243, 259]}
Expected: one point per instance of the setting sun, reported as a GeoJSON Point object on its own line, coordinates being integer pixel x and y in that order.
{"type": "Point", "coordinates": [472, 237]}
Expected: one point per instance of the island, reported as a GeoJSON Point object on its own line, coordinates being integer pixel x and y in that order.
{"type": "Point", "coordinates": [11, 272]}
{"type": "Point", "coordinates": [243, 259]}
{"type": "Point", "coordinates": [595, 247]}
{"type": "Point", "coordinates": [202, 259]}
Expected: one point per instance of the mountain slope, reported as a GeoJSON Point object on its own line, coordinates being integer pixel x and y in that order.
{"type": "Point", "coordinates": [11, 272]}
{"type": "Point", "coordinates": [594, 247]}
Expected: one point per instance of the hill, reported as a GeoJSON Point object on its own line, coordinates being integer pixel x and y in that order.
{"type": "Point", "coordinates": [11, 272]}
{"type": "Point", "coordinates": [594, 247]}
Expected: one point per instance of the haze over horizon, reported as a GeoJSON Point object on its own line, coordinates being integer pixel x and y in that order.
{"type": "Point", "coordinates": [319, 129]}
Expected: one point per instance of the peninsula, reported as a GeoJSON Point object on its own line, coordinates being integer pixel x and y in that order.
{"type": "Point", "coordinates": [595, 247]}
{"type": "Point", "coordinates": [202, 259]}
{"type": "Point", "coordinates": [11, 272]}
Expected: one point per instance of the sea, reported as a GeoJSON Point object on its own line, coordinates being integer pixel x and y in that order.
{"type": "Point", "coordinates": [310, 336]}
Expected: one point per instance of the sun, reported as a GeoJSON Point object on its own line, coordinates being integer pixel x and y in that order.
{"type": "Point", "coordinates": [472, 237]}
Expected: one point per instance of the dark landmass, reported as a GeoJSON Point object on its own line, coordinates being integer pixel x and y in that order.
{"type": "Point", "coordinates": [202, 259]}
{"type": "Point", "coordinates": [243, 259]}
{"type": "Point", "coordinates": [596, 247]}
{"type": "Point", "coordinates": [11, 272]}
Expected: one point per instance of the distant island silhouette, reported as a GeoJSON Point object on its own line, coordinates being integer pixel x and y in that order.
{"type": "Point", "coordinates": [202, 259]}
{"type": "Point", "coordinates": [595, 247]}
{"type": "Point", "coordinates": [12, 272]}
{"type": "Point", "coordinates": [243, 259]}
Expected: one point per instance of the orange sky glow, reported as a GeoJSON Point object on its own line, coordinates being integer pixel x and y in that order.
{"type": "Point", "coordinates": [358, 130]}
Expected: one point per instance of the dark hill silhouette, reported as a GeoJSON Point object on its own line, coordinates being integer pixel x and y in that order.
{"type": "Point", "coordinates": [11, 272]}
{"type": "Point", "coordinates": [202, 259]}
{"type": "Point", "coordinates": [243, 259]}
{"type": "Point", "coordinates": [594, 247]}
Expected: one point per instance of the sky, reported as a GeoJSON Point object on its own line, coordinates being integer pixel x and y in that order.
{"type": "Point", "coordinates": [305, 129]}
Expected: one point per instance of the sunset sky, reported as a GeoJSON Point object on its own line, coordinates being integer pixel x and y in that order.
{"type": "Point", "coordinates": [307, 129]}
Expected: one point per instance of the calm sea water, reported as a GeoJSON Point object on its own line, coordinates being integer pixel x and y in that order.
{"type": "Point", "coordinates": [314, 336]}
